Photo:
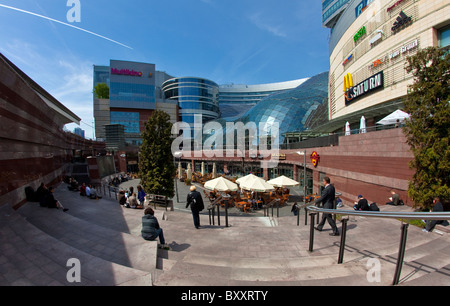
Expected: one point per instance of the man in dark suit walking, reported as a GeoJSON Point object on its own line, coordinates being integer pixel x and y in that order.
{"type": "Point", "coordinates": [195, 200]}
{"type": "Point", "coordinates": [327, 198]}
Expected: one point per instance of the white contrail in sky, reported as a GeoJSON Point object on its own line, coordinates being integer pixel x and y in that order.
{"type": "Point", "coordinates": [63, 23]}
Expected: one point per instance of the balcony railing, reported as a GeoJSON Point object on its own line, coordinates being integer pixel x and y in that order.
{"type": "Point", "coordinates": [333, 139]}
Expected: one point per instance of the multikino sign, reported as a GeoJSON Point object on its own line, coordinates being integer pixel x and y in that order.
{"type": "Point", "coordinates": [374, 82]}
{"type": "Point", "coordinates": [126, 72]}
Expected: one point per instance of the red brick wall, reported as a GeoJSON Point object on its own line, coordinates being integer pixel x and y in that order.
{"type": "Point", "coordinates": [33, 146]}
{"type": "Point", "coordinates": [370, 164]}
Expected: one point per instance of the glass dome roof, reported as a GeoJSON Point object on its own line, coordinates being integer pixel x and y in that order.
{"type": "Point", "coordinates": [291, 109]}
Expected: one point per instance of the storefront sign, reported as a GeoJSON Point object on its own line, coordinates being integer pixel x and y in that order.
{"type": "Point", "coordinates": [279, 156]}
{"type": "Point", "coordinates": [394, 5]}
{"type": "Point", "coordinates": [379, 62]}
{"type": "Point", "coordinates": [412, 45]}
{"type": "Point", "coordinates": [394, 54]}
{"type": "Point", "coordinates": [359, 34]}
{"type": "Point", "coordinates": [348, 82]}
{"type": "Point", "coordinates": [315, 158]}
{"type": "Point", "coordinates": [126, 72]}
{"type": "Point", "coordinates": [361, 7]}
{"type": "Point", "coordinates": [376, 37]}
{"type": "Point", "coordinates": [374, 82]}
{"type": "Point", "coordinates": [348, 59]}
{"type": "Point", "coordinates": [401, 21]}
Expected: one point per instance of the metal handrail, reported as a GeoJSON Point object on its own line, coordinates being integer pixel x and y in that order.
{"type": "Point", "coordinates": [271, 204]}
{"type": "Point", "coordinates": [385, 214]}
{"type": "Point", "coordinates": [373, 214]}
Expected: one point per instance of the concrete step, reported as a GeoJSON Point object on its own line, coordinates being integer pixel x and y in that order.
{"type": "Point", "coordinates": [440, 277]}
{"type": "Point", "coordinates": [235, 258]}
{"type": "Point", "coordinates": [31, 257]}
{"type": "Point", "coordinates": [419, 263]}
{"type": "Point", "coordinates": [110, 245]}
{"type": "Point", "coordinates": [258, 263]}
{"type": "Point", "coordinates": [442, 229]}
{"type": "Point", "coordinates": [194, 274]}
{"type": "Point", "coordinates": [197, 270]}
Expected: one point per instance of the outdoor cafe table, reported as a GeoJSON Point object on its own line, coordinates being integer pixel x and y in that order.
{"type": "Point", "coordinates": [242, 205]}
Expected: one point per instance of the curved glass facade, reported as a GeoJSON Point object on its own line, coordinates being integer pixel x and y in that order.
{"type": "Point", "coordinates": [236, 100]}
{"type": "Point", "coordinates": [194, 96]}
{"type": "Point", "coordinates": [293, 108]}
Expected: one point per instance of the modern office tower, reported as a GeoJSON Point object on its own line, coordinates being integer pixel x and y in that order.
{"type": "Point", "coordinates": [194, 96]}
{"type": "Point", "coordinates": [332, 10]}
{"type": "Point", "coordinates": [134, 94]}
{"type": "Point", "coordinates": [79, 132]}
{"type": "Point", "coordinates": [115, 137]}
{"type": "Point", "coordinates": [101, 104]}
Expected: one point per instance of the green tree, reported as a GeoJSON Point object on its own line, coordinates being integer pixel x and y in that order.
{"type": "Point", "coordinates": [156, 167]}
{"type": "Point", "coordinates": [101, 91]}
{"type": "Point", "coordinates": [427, 131]}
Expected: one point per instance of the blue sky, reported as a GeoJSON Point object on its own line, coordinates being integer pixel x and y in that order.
{"type": "Point", "coordinates": [227, 41]}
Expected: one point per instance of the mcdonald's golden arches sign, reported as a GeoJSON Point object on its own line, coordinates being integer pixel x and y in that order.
{"type": "Point", "coordinates": [353, 92]}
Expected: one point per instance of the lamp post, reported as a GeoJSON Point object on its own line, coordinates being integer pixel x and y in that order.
{"type": "Point", "coordinates": [304, 173]}
{"type": "Point", "coordinates": [176, 155]}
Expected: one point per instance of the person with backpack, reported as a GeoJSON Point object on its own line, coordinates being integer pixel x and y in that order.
{"type": "Point", "coordinates": [362, 204]}
{"type": "Point", "coordinates": [195, 200]}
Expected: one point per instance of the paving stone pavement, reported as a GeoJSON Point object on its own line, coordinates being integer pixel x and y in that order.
{"type": "Point", "coordinates": [254, 250]}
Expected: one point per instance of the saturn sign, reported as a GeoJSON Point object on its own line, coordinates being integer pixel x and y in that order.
{"type": "Point", "coordinates": [354, 92]}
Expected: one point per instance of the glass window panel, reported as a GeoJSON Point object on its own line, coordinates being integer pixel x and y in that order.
{"type": "Point", "coordinates": [444, 40]}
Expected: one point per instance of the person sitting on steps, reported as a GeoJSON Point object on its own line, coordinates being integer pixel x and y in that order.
{"type": "Point", "coordinates": [151, 229]}
{"type": "Point", "coordinates": [362, 204]}
{"type": "Point", "coordinates": [431, 224]}
{"type": "Point", "coordinates": [51, 202]}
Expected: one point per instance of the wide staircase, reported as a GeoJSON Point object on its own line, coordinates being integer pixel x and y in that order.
{"type": "Point", "coordinates": [274, 251]}
{"type": "Point", "coordinates": [36, 244]}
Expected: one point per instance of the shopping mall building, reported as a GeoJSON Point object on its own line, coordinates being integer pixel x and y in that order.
{"type": "Point", "coordinates": [369, 44]}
